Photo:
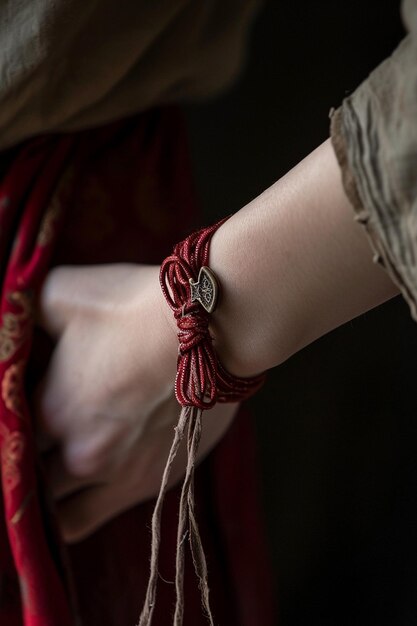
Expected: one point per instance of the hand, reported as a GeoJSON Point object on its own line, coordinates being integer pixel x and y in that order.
{"type": "Point", "coordinates": [107, 397]}
{"type": "Point", "coordinates": [86, 503]}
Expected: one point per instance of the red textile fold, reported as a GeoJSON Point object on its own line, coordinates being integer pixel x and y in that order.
{"type": "Point", "coordinates": [122, 193]}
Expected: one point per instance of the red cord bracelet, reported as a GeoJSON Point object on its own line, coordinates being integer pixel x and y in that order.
{"type": "Point", "coordinates": [191, 290]}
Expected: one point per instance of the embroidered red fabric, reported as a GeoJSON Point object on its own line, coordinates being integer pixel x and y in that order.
{"type": "Point", "coordinates": [120, 193]}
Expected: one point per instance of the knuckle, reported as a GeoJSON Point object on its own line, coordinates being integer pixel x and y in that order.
{"type": "Point", "coordinates": [84, 460]}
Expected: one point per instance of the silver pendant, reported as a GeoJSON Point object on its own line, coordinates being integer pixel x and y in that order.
{"type": "Point", "coordinates": [205, 290]}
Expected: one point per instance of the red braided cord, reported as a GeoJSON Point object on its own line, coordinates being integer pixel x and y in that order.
{"type": "Point", "coordinates": [201, 380]}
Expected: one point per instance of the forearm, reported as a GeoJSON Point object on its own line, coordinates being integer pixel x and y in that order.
{"type": "Point", "coordinates": [293, 265]}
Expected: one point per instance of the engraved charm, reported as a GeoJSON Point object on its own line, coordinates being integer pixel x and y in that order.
{"type": "Point", "coordinates": [205, 290]}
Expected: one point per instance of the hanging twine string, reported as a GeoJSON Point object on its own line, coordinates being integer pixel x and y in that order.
{"type": "Point", "coordinates": [191, 290]}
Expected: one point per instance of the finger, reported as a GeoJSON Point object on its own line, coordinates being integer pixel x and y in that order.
{"type": "Point", "coordinates": [45, 441]}
{"type": "Point", "coordinates": [48, 426]}
{"type": "Point", "coordinates": [62, 483]}
{"type": "Point", "coordinates": [51, 310]}
{"type": "Point", "coordinates": [68, 289]}
{"type": "Point", "coordinates": [62, 292]}
{"type": "Point", "coordinates": [82, 514]}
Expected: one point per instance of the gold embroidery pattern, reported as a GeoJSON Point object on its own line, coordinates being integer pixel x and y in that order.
{"type": "Point", "coordinates": [47, 229]}
{"type": "Point", "coordinates": [11, 454]}
{"type": "Point", "coordinates": [22, 508]}
{"type": "Point", "coordinates": [12, 388]}
{"type": "Point", "coordinates": [13, 328]}
{"type": "Point", "coordinates": [54, 210]}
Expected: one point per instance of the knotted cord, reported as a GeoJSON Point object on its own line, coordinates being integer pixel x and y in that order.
{"type": "Point", "coordinates": [201, 381]}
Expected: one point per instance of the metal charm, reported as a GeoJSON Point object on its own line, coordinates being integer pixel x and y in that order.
{"type": "Point", "coordinates": [205, 290]}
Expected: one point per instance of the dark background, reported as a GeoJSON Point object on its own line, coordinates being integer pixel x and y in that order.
{"type": "Point", "coordinates": [337, 423]}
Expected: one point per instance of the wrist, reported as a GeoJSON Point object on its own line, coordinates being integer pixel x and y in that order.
{"type": "Point", "coordinates": [239, 326]}
{"type": "Point", "coordinates": [168, 322]}
{"type": "Point", "coordinates": [168, 326]}
{"type": "Point", "coordinates": [190, 290]}
{"type": "Point", "coordinates": [159, 328]}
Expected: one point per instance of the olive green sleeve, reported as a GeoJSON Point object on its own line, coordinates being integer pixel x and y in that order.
{"type": "Point", "coordinates": [374, 134]}
{"type": "Point", "coordinates": [71, 64]}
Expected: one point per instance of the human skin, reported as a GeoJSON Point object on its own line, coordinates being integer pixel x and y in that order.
{"type": "Point", "coordinates": [292, 264]}
{"type": "Point", "coordinates": [106, 410]}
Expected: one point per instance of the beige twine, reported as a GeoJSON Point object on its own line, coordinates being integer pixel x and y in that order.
{"type": "Point", "coordinates": [187, 524]}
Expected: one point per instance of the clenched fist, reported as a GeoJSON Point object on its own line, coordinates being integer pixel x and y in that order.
{"type": "Point", "coordinates": [106, 405]}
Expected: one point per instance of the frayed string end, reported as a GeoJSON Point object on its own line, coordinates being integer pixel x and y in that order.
{"type": "Point", "coordinates": [187, 524]}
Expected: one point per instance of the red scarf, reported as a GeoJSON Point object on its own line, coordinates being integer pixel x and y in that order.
{"type": "Point", "coordinates": [116, 194]}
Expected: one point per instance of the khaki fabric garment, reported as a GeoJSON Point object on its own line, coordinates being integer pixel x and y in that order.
{"type": "Point", "coordinates": [72, 64]}
{"type": "Point", "coordinates": [374, 133]}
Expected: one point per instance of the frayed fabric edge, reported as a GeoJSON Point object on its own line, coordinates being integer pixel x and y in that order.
{"type": "Point", "coordinates": [362, 213]}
